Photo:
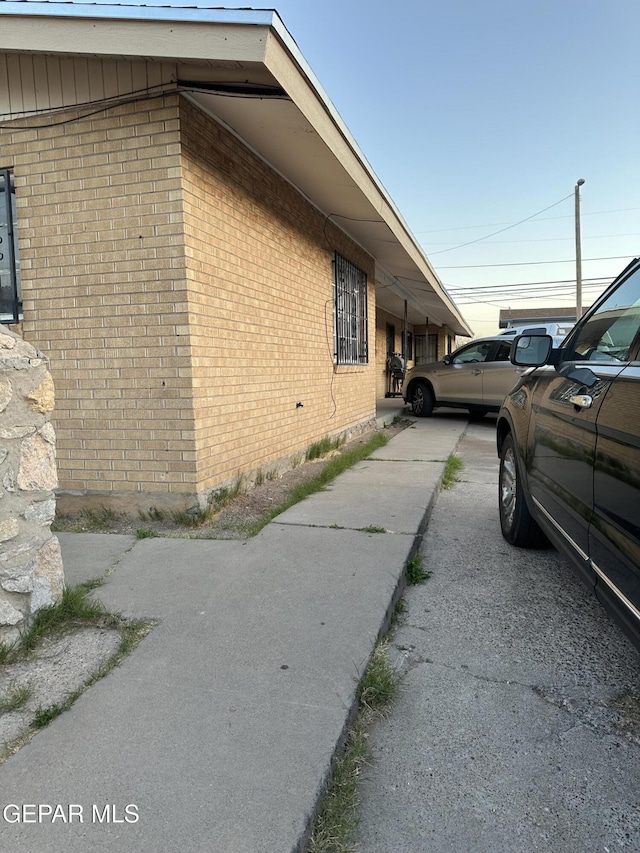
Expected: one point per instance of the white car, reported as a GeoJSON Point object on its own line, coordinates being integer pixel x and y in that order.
{"type": "Point", "coordinates": [558, 331]}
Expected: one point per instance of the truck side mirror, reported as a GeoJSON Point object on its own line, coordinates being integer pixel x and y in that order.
{"type": "Point", "coordinates": [531, 350]}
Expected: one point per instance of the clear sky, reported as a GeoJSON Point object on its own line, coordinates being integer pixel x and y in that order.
{"type": "Point", "coordinates": [478, 114]}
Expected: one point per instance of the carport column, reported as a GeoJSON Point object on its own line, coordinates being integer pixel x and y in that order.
{"type": "Point", "coordinates": [31, 572]}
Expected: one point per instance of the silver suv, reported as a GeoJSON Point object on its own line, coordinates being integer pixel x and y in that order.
{"type": "Point", "coordinates": [477, 377]}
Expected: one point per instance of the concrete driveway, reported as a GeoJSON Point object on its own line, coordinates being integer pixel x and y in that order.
{"type": "Point", "coordinates": [518, 723]}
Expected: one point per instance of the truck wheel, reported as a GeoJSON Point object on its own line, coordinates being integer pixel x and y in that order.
{"type": "Point", "coordinates": [518, 527]}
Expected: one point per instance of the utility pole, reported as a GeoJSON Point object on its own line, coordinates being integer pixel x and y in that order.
{"type": "Point", "coordinates": [578, 253]}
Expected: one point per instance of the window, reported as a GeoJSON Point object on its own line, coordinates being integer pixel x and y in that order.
{"type": "Point", "coordinates": [350, 333]}
{"type": "Point", "coordinates": [609, 333]}
{"type": "Point", "coordinates": [10, 298]}
{"type": "Point", "coordinates": [473, 354]}
{"type": "Point", "coordinates": [426, 349]}
{"type": "Point", "coordinates": [503, 352]}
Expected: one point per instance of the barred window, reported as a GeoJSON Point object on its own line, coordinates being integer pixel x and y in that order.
{"type": "Point", "coordinates": [10, 299]}
{"type": "Point", "coordinates": [350, 333]}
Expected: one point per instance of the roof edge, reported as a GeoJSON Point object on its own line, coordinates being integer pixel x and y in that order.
{"type": "Point", "coordinates": [192, 13]}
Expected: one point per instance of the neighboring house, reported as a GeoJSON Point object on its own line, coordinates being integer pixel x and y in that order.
{"type": "Point", "coordinates": [193, 238]}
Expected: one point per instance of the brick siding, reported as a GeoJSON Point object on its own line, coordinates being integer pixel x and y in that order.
{"type": "Point", "coordinates": [182, 292]}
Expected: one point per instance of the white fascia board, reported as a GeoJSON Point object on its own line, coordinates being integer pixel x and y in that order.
{"type": "Point", "coordinates": [138, 37]}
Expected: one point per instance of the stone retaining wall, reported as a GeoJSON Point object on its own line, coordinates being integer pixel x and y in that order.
{"type": "Point", "coordinates": [31, 571]}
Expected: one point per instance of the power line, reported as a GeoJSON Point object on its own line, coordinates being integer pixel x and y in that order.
{"type": "Point", "coordinates": [533, 263]}
{"type": "Point", "coordinates": [545, 219]}
{"type": "Point", "coordinates": [515, 224]}
{"type": "Point", "coordinates": [552, 239]}
{"type": "Point", "coordinates": [490, 288]}
{"type": "Point", "coordinates": [506, 299]}
{"type": "Point", "coordinates": [520, 294]}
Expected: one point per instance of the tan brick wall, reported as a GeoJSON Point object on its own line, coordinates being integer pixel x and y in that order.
{"type": "Point", "coordinates": [182, 291]}
{"type": "Point", "coordinates": [259, 266]}
{"type": "Point", "coordinates": [100, 225]}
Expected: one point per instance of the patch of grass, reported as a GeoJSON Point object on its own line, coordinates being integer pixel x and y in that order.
{"type": "Point", "coordinates": [337, 818]}
{"type": "Point", "coordinates": [143, 533]}
{"type": "Point", "coordinates": [323, 447]}
{"type": "Point", "coordinates": [6, 652]}
{"type": "Point", "coordinates": [16, 697]}
{"type": "Point", "coordinates": [43, 716]}
{"type": "Point", "coordinates": [259, 480]}
{"type": "Point", "coordinates": [272, 474]}
{"type": "Point", "coordinates": [89, 520]}
{"type": "Point", "coordinates": [414, 571]}
{"type": "Point", "coordinates": [74, 609]}
{"type": "Point", "coordinates": [372, 529]}
{"type": "Point", "coordinates": [101, 519]}
{"type": "Point", "coordinates": [402, 421]}
{"type": "Point", "coordinates": [452, 468]}
{"type": "Point", "coordinates": [379, 685]}
{"type": "Point", "coordinates": [94, 583]}
{"type": "Point", "coordinates": [193, 517]}
{"type": "Point", "coordinates": [224, 496]}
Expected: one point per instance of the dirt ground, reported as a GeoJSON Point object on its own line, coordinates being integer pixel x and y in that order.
{"type": "Point", "coordinates": [236, 520]}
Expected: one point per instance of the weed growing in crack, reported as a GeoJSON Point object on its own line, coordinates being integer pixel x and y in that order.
{"type": "Point", "coordinates": [379, 684]}
{"type": "Point", "coordinates": [43, 716]}
{"type": "Point", "coordinates": [143, 533]}
{"type": "Point", "coordinates": [398, 612]}
{"type": "Point", "coordinates": [414, 571]}
{"type": "Point", "coordinates": [337, 817]}
{"type": "Point", "coordinates": [74, 609]}
{"type": "Point", "coordinates": [452, 468]}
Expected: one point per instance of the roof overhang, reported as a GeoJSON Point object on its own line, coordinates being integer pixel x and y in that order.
{"type": "Point", "coordinates": [243, 68]}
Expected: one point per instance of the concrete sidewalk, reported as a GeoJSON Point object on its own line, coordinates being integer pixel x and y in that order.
{"type": "Point", "coordinates": [218, 731]}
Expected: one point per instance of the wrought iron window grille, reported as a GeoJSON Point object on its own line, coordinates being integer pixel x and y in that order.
{"type": "Point", "coordinates": [351, 336]}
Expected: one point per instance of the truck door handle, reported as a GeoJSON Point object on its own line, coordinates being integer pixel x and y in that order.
{"type": "Point", "coordinates": [476, 372]}
{"type": "Point", "coordinates": [582, 401]}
